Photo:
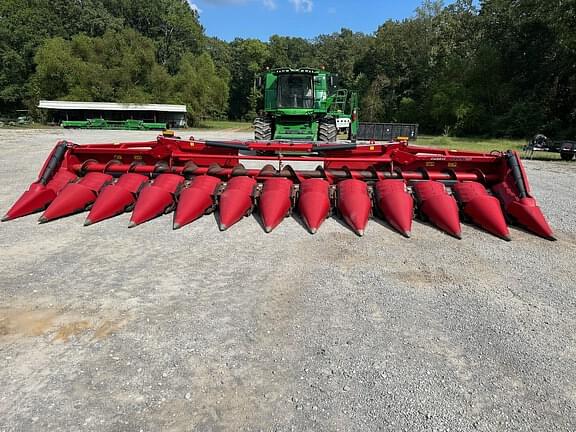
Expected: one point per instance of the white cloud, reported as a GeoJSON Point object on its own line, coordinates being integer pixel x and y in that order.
{"type": "Point", "coordinates": [270, 4]}
{"type": "Point", "coordinates": [195, 7]}
{"type": "Point", "coordinates": [225, 2]}
{"type": "Point", "coordinates": [303, 5]}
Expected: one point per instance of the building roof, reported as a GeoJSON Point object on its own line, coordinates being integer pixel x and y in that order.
{"type": "Point", "coordinates": [110, 106]}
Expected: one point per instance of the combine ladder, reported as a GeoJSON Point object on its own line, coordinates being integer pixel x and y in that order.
{"type": "Point", "coordinates": [339, 104]}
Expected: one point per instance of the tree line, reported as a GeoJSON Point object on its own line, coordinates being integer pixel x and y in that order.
{"type": "Point", "coordinates": [502, 68]}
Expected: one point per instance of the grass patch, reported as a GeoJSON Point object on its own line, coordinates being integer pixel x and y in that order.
{"type": "Point", "coordinates": [480, 145]}
{"type": "Point", "coordinates": [225, 124]}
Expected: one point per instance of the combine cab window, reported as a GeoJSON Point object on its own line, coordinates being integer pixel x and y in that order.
{"type": "Point", "coordinates": [295, 91]}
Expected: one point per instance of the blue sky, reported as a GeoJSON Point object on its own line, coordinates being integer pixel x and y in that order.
{"type": "Point", "coordinates": [260, 19]}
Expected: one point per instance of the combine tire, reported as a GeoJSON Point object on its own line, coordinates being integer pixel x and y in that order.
{"type": "Point", "coordinates": [567, 156]}
{"type": "Point", "coordinates": [262, 129]}
{"type": "Point", "coordinates": [327, 131]}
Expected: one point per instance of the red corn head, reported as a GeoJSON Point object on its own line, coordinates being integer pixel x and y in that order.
{"type": "Point", "coordinates": [439, 207]}
{"type": "Point", "coordinates": [116, 198]}
{"type": "Point", "coordinates": [195, 200]}
{"type": "Point", "coordinates": [483, 209]}
{"type": "Point", "coordinates": [39, 196]}
{"type": "Point", "coordinates": [156, 199]}
{"type": "Point", "coordinates": [236, 200]}
{"type": "Point", "coordinates": [391, 166]}
{"type": "Point", "coordinates": [314, 203]}
{"type": "Point", "coordinates": [395, 204]}
{"type": "Point", "coordinates": [76, 197]}
{"type": "Point", "coordinates": [354, 204]}
{"type": "Point", "coordinates": [275, 202]}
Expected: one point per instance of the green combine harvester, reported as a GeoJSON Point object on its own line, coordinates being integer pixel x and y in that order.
{"type": "Point", "coordinates": [305, 104]}
{"type": "Point", "coordinates": [111, 124]}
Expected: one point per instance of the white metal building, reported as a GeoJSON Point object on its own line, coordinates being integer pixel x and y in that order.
{"type": "Point", "coordinates": [56, 111]}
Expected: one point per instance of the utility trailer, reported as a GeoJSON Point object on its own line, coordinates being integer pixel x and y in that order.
{"type": "Point", "coordinates": [387, 131]}
{"type": "Point", "coordinates": [541, 143]}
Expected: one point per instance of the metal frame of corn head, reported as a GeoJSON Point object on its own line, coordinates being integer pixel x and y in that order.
{"type": "Point", "coordinates": [394, 181]}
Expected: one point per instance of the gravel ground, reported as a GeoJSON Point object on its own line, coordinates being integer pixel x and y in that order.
{"type": "Point", "coordinates": [108, 329]}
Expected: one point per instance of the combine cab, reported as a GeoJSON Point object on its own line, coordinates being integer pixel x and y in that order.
{"type": "Point", "coordinates": [392, 181]}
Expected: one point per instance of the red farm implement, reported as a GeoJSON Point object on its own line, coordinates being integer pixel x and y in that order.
{"type": "Point", "coordinates": [393, 181]}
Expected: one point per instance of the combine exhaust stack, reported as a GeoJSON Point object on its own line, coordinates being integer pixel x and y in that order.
{"type": "Point", "coordinates": [391, 181]}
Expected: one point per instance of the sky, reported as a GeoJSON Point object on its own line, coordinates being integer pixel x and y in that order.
{"type": "Point", "coordinates": [260, 19]}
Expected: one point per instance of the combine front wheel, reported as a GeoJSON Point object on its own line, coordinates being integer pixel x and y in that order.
{"type": "Point", "coordinates": [327, 131]}
{"type": "Point", "coordinates": [262, 129]}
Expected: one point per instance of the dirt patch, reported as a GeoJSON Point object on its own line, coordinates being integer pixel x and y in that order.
{"type": "Point", "coordinates": [26, 323]}
{"type": "Point", "coordinates": [106, 328]}
{"type": "Point", "coordinates": [72, 329]}
{"type": "Point", "coordinates": [59, 326]}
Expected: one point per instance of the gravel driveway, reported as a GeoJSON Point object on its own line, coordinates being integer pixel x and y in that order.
{"type": "Point", "coordinates": [108, 329]}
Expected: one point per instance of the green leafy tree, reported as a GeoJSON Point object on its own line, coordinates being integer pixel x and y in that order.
{"type": "Point", "coordinates": [339, 53]}
{"type": "Point", "coordinates": [199, 87]}
{"type": "Point", "coordinates": [250, 57]}
{"type": "Point", "coordinates": [121, 66]}
{"type": "Point", "coordinates": [25, 25]}
{"type": "Point", "coordinates": [172, 24]}
{"type": "Point", "coordinates": [291, 52]}
{"type": "Point", "coordinates": [114, 67]}
{"type": "Point", "coordinates": [500, 68]}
